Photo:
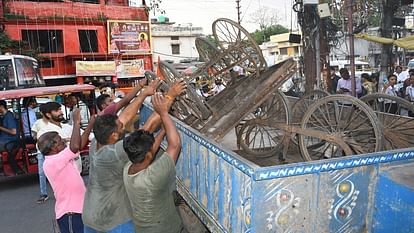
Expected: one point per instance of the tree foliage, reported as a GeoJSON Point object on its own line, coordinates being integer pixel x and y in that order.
{"type": "Point", "coordinates": [212, 40]}
{"type": "Point", "coordinates": [16, 47]}
{"type": "Point", "coordinates": [264, 17]}
{"type": "Point", "coordinates": [366, 13]}
{"type": "Point", "coordinates": [154, 6]}
{"type": "Point", "coordinates": [268, 21]}
{"type": "Point", "coordinates": [263, 35]}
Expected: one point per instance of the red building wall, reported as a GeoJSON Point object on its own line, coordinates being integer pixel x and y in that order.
{"type": "Point", "coordinates": [70, 17]}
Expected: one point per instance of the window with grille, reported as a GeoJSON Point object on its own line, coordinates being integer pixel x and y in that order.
{"type": "Point", "coordinates": [88, 41]}
{"type": "Point", "coordinates": [175, 49]}
{"type": "Point", "coordinates": [45, 41]}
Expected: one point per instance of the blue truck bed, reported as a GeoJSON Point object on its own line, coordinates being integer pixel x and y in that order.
{"type": "Point", "coordinates": [364, 193]}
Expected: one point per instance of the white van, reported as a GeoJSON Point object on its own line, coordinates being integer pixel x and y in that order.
{"type": "Point", "coordinates": [360, 66]}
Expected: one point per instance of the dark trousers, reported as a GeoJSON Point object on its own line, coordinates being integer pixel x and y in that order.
{"type": "Point", "coordinates": [71, 223]}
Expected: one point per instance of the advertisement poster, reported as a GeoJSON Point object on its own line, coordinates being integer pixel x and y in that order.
{"type": "Point", "coordinates": [130, 68]}
{"type": "Point", "coordinates": [129, 37]}
{"type": "Point", "coordinates": [95, 68]}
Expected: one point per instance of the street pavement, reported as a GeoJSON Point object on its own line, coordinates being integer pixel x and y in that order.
{"type": "Point", "coordinates": [18, 208]}
{"type": "Point", "coordinates": [21, 214]}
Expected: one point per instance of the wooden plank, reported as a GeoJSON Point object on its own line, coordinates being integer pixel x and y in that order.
{"type": "Point", "coordinates": [249, 95]}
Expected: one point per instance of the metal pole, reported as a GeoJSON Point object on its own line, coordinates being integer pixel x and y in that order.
{"type": "Point", "coordinates": [238, 11]}
{"type": "Point", "coordinates": [351, 47]}
{"type": "Point", "coordinates": [318, 59]}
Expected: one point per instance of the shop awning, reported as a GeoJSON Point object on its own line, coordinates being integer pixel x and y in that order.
{"type": "Point", "coordinates": [405, 42]}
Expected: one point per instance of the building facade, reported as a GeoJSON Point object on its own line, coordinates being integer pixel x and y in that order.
{"type": "Point", "coordinates": [175, 43]}
{"type": "Point", "coordinates": [67, 32]}
{"type": "Point", "coordinates": [279, 48]}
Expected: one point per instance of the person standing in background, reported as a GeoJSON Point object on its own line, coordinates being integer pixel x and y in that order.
{"type": "Point", "coordinates": [41, 124]}
{"type": "Point", "coordinates": [345, 83]}
{"type": "Point", "coordinates": [334, 79]}
{"type": "Point", "coordinates": [29, 116]}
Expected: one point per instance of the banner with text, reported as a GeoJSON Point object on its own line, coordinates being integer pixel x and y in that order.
{"type": "Point", "coordinates": [130, 68]}
{"type": "Point", "coordinates": [129, 37]}
{"type": "Point", "coordinates": [95, 68]}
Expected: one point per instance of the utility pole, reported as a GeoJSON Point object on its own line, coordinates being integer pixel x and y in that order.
{"type": "Point", "coordinates": [238, 11]}
{"type": "Point", "coordinates": [309, 48]}
{"type": "Point", "coordinates": [351, 47]}
{"type": "Point", "coordinates": [388, 10]}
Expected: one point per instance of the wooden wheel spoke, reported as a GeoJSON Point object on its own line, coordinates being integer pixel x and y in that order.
{"type": "Point", "coordinates": [327, 123]}
{"type": "Point", "coordinates": [351, 119]}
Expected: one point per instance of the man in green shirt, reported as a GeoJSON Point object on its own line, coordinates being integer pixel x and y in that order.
{"type": "Point", "coordinates": [147, 182]}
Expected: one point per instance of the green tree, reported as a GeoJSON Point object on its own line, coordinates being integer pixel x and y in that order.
{"type": "Point", "coordinates": [16, 47]}
{"type": "Point", "coordinates": [263, 35]}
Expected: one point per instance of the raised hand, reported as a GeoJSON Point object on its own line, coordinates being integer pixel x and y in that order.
{"type": "Point", "coordinates": [177, 88]}
{"type": "Point", "coordinates": [151, 88]}
{"type": "Point", "coordinates": [160, 104]}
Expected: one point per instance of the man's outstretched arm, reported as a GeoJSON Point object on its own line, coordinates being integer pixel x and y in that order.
{"type": "Point", "coordinates": [128, 97]}
{"type": "Point", "coordinates": [161, 106]}
{"type": "Point", "coordinates": [131, 109]}
{"type": "Point", "coordinates": [154, 121]}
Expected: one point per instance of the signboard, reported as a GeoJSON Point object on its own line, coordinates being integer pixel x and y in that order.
{"type": "Point", "coordinates": [129, 37]}
{"type": "Point", "coordinates": [130, 68]}
{"type": "Point", "coordinates": [95, 68]}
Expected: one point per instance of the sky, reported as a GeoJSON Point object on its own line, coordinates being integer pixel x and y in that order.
{"type": "Point", "coordinates": [202, 13]}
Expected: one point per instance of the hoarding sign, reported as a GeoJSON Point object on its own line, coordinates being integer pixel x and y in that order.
{"type": "Point", "coordinates": [95, 68]}
{"type": "Point", "coordinates": [129, 37]}
{"type": "Point", "coordinates": [130, 68]}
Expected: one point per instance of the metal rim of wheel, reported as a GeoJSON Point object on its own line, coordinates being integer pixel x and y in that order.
{"type": "Point", "coordinates": [230, 34]}
{"type": "Point", "coordinates": [209, 52]}
{"type": "Point", "coordinates": [299, 108]}
{"type": "Point", "coordinates": [191, 101]}
{"type": "Point", "coordinates": [257, 136]}
{"type": "Point", "coordinates": [344, 116]}
{"type": "Point", "coordinates": [398, 129]}
{"type": "Point", "coordinates": [206, 49]}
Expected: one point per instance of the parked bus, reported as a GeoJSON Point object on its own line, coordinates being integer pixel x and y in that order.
{"type": "Point", "coordinates": [18, 71]}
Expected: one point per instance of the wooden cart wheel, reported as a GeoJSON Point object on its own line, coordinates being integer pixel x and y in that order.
{"type": "Point", "coordinates": [190, 101]}
{"type": "Point", "coordinates": [240, 44]}
{"type": "Point", "coordinates": [210, 53]}
{"type": "Point", "coordinates": [300, 107]}
{"type": "Point", "coordinates": [206, 49]}
{"type": "Point", "coordinates": [258, 136]}
{"type": "Point", "coordinates": [178, 109]}
{"type": "Point", "coordinates": [344, 117]}
{"type": "Point", "coordinates": [398, 129]}
{"type": "Point", "coordinates": [169, 72]}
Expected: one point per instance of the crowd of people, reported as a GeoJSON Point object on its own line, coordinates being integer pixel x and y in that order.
{"type": "Point", "coordinates": [206, 90]}
{"type": "Point", "coordinates": [129, 186]}
{"type": "Point", "coordinates": [398, 83]}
